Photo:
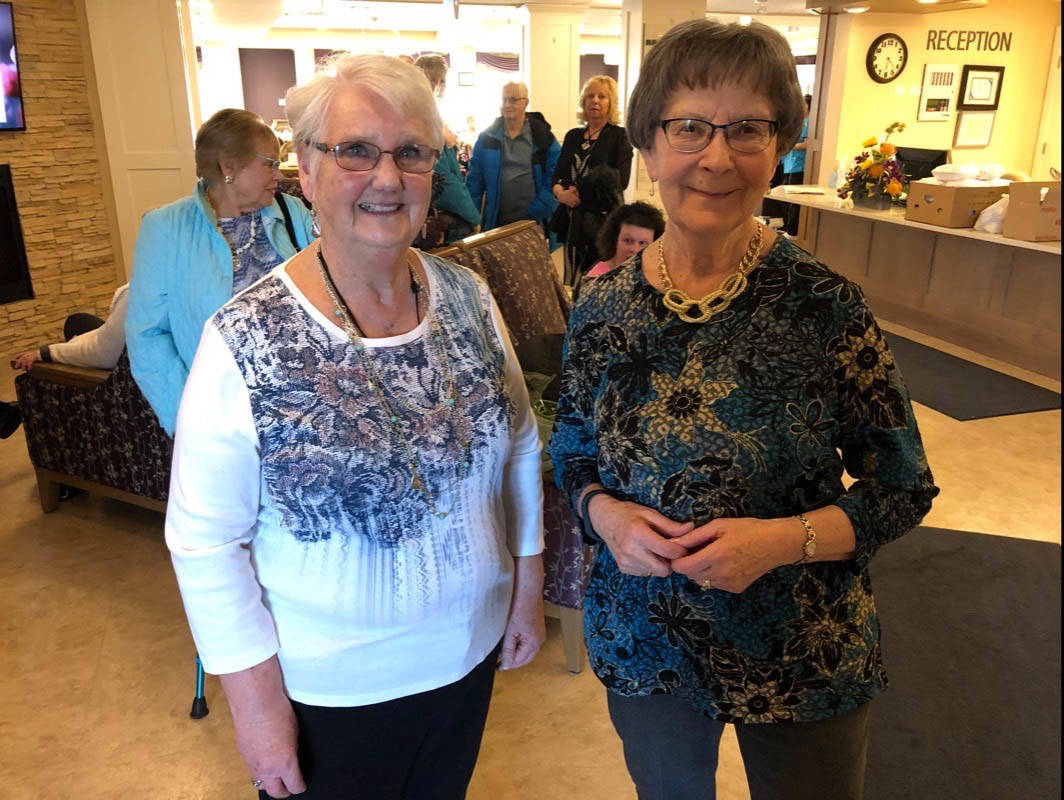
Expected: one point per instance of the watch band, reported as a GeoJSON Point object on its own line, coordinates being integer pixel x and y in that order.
{"type": "Point", "coordinates": [809, 548]}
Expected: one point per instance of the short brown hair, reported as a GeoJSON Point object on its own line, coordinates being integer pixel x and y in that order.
{"type": "Point", "coordinates": [700, 54]}
{"type": "Point", "coordinates": [434, 67]}
{"type": "Point", "coordinates": [231, 133]}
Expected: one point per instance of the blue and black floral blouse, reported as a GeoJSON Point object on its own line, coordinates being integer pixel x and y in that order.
{"type": "Point", "coordinates": [258, 257]}
{"type": "Point", "coordinates": [755, 413]}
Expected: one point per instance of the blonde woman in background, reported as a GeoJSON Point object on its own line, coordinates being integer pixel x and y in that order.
{"type": "Point", "coordinates": [591, 174]}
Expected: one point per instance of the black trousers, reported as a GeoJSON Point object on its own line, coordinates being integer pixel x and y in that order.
{"type": "Point", "coordinates": [420, 747]}
{"type": "Point", "coordinates": [670, 749]}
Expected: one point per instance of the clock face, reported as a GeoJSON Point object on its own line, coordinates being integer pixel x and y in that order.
{"type": "Point", "coordinates": [886, 58]}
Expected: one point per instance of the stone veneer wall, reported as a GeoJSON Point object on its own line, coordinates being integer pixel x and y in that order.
{"type": "Point", "coordinates": [58, 177]}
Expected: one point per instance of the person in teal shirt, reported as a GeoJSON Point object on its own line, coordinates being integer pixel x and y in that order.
{"type": "Point", "coordinates": [794, 170]}
{"type": "Point", "coordinates": [453, 200]}
{"type": "Point", "coordinates": [194, 254]}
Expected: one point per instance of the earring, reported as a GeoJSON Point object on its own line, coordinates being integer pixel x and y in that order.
{"type": "Point", "coordinates": [315, 228]}
{"type": "Point", "coordinates": [228, 178]}
{"type": "Point", "coordinates": [651, 188]}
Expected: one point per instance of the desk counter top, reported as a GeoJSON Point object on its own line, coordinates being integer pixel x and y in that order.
{"type": "Point", "coordinates": [830, 201]}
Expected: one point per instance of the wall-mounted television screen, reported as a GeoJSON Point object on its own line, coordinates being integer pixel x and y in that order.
{"type": "Point", "coordinates": [11, 117]}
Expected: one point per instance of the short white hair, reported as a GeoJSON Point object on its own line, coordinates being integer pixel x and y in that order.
{"type": "Point", "coordinates": [403, 87]}
{"type": "Point", "coordinates": [518, 84]}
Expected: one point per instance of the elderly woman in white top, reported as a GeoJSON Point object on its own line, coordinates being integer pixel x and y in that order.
{"type": "Point", "coordinates": [355, 507]}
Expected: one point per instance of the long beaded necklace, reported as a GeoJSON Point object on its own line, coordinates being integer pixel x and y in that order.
{"type": "Point", "coordinates": [238, 251]}
{"type": "Point", "coordinates": [684, 305]}
{"type": "Point", "coordinates": [376, 383]}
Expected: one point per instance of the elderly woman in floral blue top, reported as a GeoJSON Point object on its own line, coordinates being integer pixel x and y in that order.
{"type": "Point", "coordinates": [715, 389]}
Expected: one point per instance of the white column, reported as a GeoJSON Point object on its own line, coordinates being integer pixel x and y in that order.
{"type": "Point", "coordinates": [144, 106]}
{"type": "Point", "coordinates": [643, 22]}
{"type": "Point", "coordinates": [551, 63]}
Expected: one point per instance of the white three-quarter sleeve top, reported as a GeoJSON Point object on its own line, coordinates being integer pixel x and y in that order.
{"type": "Point", "coordinates": [294, 520]}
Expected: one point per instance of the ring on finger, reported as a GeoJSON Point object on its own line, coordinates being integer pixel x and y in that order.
{"type": "Point", "coordinates": [706, 584]}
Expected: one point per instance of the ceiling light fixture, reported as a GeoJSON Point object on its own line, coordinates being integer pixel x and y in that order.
{"type": "Point", "coordinates": [856, 9]}
{"type": "Point", "coordinates": [926, 2]}
{"type": "Point", "coordinates": [745, 19]}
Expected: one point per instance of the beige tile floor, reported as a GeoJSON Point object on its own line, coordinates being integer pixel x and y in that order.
{"type": "Point", "coordinates": [96, 667]}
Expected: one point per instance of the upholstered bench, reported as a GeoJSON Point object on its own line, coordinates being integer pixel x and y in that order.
{"type": "Point", "coordinates": [93, 429]}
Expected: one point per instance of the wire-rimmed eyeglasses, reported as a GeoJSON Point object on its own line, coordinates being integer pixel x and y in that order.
{"type": "Point", "coordinates": [691, 135]}
{"type": "Point", "coordinates": [275, 163]}
{"type": "Point", "coordinates": [364, 156]}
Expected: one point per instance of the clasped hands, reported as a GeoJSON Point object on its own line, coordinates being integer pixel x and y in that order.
{"type": "Point", "coordinates": [729, 553]}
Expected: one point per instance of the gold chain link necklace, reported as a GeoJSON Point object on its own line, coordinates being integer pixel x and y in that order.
{"type": "Point", "coordinates": [376, 383]}
{"type": "Point", "coordinates": [684, 306]}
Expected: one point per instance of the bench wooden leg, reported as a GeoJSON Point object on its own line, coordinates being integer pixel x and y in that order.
{"type": "Point", "coordinates": [49, 492]}
{"type": "Point", "coordinates": [572, 620]}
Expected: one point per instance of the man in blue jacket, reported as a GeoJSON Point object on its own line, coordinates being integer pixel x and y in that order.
{"type": "Point", "coordinates": [512, 164]}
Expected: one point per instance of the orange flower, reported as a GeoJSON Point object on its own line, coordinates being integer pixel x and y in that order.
{"type": "Point", "coordinates": [894, 188]}
{"type": "Point", "coordinates": [887, 149]}
{"type": "Point", "coordinates": [875, 170]}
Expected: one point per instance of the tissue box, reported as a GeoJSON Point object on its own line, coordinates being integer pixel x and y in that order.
{"type": "Point", "coordinates": [949, 206]}
{"type": "Point", "coordinates": [1030, 216]}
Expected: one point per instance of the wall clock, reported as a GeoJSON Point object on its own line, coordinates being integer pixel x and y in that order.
{"type": "Point", "coordinates": [886, 58]}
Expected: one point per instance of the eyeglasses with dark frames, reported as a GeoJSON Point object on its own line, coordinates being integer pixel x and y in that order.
{"type": "Point", "coordinates": [275, 163]}
{"type": "Point", "coordinates": [363, 156]}
{"type": "Point", "coordinates": [692, 135]}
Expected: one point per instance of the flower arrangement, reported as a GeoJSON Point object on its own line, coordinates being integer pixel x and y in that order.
{"type": "Point", "coordinates": [875, 177]}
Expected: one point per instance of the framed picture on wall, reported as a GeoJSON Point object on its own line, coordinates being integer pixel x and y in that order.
{"type": "Point", "coordinates": [465, 78]}
{"type": "Point", "coordinates": [973, 129]}
{"type": "Point", "coordinates": [980, 88]}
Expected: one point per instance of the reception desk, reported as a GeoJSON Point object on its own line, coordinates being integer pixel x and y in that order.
{"type": "Point", "coordinates": [988, 293]}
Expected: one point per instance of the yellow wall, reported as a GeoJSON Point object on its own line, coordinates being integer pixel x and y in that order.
{"type": "Point", "coordinates": [868, 107]}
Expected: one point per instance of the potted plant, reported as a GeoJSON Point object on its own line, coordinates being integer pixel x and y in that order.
{"type": "Point", "coordinates": [875, 179]}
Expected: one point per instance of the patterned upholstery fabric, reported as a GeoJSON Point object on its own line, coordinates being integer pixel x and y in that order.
{"type": "Point", "coordinates": [519, 270]}
{"type": "Point", "coordinates": [566, 559]}
{"type": "Point", "coordinates": [107, 433]}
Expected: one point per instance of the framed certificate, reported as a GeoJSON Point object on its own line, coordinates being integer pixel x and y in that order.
{"type": "Point", "coordinates": [973, 129]}
{"type": "Point", "coordinates": [980, 88]}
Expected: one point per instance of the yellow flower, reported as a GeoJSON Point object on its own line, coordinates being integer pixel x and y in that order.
{"type": "Point", "coordinates": [871, 140]}
{"type": "Point", "coordinates": [867, 164]}
{"type": "Point", "coordinates": [894, 188]}
{"type": "Point", "coordinates": [887, 149]}
{"type": "Point", "coordinates": [875, 170]}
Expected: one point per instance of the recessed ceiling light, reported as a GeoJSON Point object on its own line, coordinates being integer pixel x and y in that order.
{"type": "Point", "coordinates": [745, 19]}
{"type": "Point", "coordinates": [927, 2]}
{"type": "Point", "coordinates": [856, 9]}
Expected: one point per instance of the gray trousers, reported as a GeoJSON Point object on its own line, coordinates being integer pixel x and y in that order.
{"type": "Point", "coordinates": [671, 752]}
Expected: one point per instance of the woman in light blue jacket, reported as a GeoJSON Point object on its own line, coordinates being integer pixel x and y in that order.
{"type": "Point", "coordinates": [194, 254]}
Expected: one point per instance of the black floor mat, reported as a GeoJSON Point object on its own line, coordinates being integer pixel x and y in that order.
{"type": "Point", "coordinates": [961, 389]}
{"type": "Point", "coordinates": [971, 643]}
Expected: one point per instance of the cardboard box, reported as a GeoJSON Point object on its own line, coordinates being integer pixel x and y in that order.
{"type": "Point", "coordinates": [949, 206]}
{"type": "Point", "coordinates": [1034, 211]}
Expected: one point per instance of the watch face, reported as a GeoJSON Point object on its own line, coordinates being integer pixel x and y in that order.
{"type": "Point", "coordinates": [886, 58]}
